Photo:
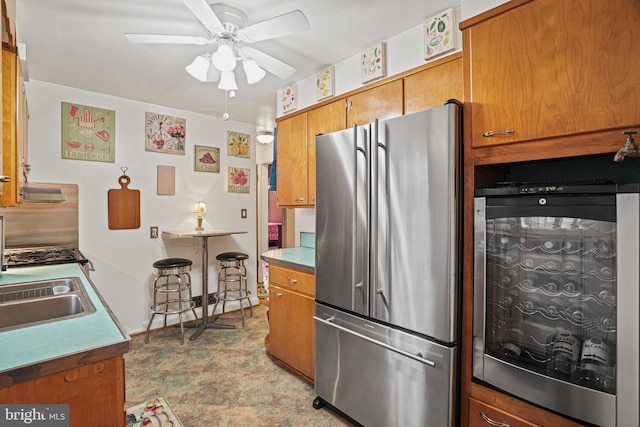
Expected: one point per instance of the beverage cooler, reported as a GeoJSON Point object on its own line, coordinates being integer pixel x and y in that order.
{"type": "Point", "coordinates": [556, 297]}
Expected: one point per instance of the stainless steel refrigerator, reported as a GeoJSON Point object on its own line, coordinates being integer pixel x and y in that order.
{"type": "Point", "coordinates": [387, 270]}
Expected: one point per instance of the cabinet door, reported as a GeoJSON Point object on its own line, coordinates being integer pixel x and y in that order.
{"type": "Point", "coordinates": [326, 119]}
{"type": "Point", "coordinates": [291, 155]}
{"type": "Point", "coordinates": [432, 87]}
{"type": "Point", "coordinates": [9, 129]}
{"type": "Point", "coordinates": [291, 329]}
{"type": "Point", "coordinates": [381, 102]}
{"type": "Point", "coordinates": [552, 68]}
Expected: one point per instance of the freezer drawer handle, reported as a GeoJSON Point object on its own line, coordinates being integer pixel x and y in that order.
{"type": "Point", "coordinates": [381, 344]}
{"type": "Point", "coordinates": [491, 422]}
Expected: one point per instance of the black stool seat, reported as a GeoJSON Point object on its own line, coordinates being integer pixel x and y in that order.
{"type": "Point", "coordinates": [172, 263]}
{"type": "Point", "coordinates": [232, 256]}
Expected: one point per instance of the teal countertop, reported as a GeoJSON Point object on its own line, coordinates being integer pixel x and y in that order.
{"type": "Point", "coordinates": [36, 344]}
{"type": "Point", "coordinates": [299, 257]}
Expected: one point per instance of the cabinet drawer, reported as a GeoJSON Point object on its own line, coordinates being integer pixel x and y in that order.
{"type": "Point", "coordinates": [482, 415]}
{"type": "Point", "coordinates": [292, 279]}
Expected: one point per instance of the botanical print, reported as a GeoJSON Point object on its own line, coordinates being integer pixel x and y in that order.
{"type": "Point", "coordinates": [238, 180]}
{"type": "Point", "coordinates": [165, 134]}
{"type": "Point", "coordinates": [238, 144]}
{"type": "Point", "coordinates": [88, 133]}
{"type": "Point", "coordinates": [290, 98]}
{"type": "Point", "coordinates": [325, 83]}
{"type": "Point", "coordinates": [438, 34]}
{"type": "Point", "coordinates": [372, 62]}
{"type": "Point", "coordinates": [207, 159]}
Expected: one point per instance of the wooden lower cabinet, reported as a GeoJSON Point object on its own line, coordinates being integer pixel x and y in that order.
{"type": "Point", "coordinates": [483, 415]}
{"type": "Point", "coordinates": [94, 392]}
{"type": "Point", "coordinates": [291, 309]}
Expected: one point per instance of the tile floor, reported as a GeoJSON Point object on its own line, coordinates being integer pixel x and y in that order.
{"type": "Point", "coordinates": [224, 378]}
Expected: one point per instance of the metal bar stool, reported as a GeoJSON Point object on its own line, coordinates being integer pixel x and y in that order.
{"type": "Point", "coordinates": [174, 282]}
{"type": "Point", "coordinates": [232, 271]}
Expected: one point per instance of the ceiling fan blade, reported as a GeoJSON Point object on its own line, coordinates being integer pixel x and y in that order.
{"type": "Point", "coordinates": [165, 38]}
{"type": "Point", "coordinates": [202, 11]}
{"type": "Point", "coordinates": [269, 63]}
{"type": "Point", "coordinates": [289, 23]}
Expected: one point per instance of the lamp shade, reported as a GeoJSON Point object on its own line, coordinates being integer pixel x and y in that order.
{"type": "Point", "coordinates": [224, 59]}
{"type": "Point", "coordinates": [201, 208]}
{"type": "Point", "coordinates": [253, 71]}
{"type": "Point", "coordinates": [227, 81]}
{"type": "Point", "coordinates": [199, 68]}
{"type": "Point", "coordinates": [264, 137]}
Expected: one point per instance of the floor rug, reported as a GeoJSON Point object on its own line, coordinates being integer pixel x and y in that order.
{"type": "Point", "coordinates": [154, 412]}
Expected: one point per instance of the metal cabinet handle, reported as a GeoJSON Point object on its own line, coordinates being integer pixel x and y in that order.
{"type": "Point", "coordinates": [492, 422]}
{"type": "Point", "coordinates": [278, 294]}
{"type": "Point", "coordinates": [299, 199]}
{"type": "Point", "coordinates": [5, 178]}
{"type": "Point", "coordinates": [293, 281]}
{"type": "Point", "coordinates": [498, 132]}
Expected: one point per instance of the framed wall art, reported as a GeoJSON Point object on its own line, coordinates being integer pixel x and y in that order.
{"type": "Point", "coordinates": [290, 98]}
{"type": "Point", "coordinates": [238, 144]}
{"type": "Point", "coordinates": [325, 83]}
{"type": "Point", "coordinates": [207, 159]}
{"type": "Point", "coordinates": [439, 36]}
{"type": "Point", "coordinates": [372, 62]}
{"type": "Point", "coordinates": [238, 180]}
{"type": "Point", "coordinates": [165, 134]}
{"type": "Point", "coordinates": [88, 133]}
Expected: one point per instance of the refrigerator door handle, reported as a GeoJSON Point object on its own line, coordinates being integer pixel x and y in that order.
{"type": "Point", "coordinates": [359, 285]}
{"type": "Point", "coordinates": [381, 344]}
{"type": "Point", "coordinates": [384, 299]}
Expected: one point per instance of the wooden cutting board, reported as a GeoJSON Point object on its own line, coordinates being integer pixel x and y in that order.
{"type": "Point", "coordinates": [124, 206]}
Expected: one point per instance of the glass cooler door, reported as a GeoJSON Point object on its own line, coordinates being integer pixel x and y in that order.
{"type": "Point", "coordinates": [551, 292]}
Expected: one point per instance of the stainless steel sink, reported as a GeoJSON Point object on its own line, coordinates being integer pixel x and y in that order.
{"type": "Point", "coordinates": [32, 303]}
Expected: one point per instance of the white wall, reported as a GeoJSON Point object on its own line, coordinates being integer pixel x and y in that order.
{"type": "Point", "coordinates": [123, 258]}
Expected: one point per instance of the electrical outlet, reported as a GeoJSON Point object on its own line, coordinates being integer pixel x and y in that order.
{"type": "Point", "coordinates": [243, 213]}
{"type": "Point", "coordinates": [153, 232]}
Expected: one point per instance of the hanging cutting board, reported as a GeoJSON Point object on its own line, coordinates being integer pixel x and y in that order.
{"type": "Point", "coordinates": [124, 206]}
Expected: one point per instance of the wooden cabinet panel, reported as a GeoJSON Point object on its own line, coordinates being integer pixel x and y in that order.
{"type": "Point", "coordinates": [482, 415]}
{"type": "Point", "coordinates": [325, 119]}
{"type": "Point", "coordinates": [294, 280]}
{"type": "Point", "coordinates": [291, 330]}
{"type": "Point", "coordinates": [10, 189]}
{"type": "Point", "coordinates": [291, 154]}
{"type": "Point", "coordinates": [554, 67]}
{"type": "Point", "coordinates": [94, 392]}
{"type": "Point", "coordinates": [432, 87]}
{"type": "Point", "coordinates": [381, 102]}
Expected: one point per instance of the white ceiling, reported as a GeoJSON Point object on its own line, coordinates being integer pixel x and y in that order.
{"type": "Point", "coordinates": [81, 43]}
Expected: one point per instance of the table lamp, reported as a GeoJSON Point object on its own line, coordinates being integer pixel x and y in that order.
{"type": "Point", "coordinates": [201, 208]}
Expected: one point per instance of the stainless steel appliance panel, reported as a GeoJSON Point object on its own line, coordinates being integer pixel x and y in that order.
{"type": "Point", "coordinates": [415, 283]}
{"type": "Point", "coordinates": [381, 376]}
{"type": "Point", "coordinates": [342, 215]}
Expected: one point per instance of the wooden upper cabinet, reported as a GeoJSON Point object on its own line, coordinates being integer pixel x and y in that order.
{"type": "Point", "coordinates": [291, 155]}
{"type": "Point", "coordinates": [325, 119]}
{"type": "Point", "coordinates": [553, 68]}
{"type": "Point", "coordinates": [10, 188]}
{"type": "Point", "coordinates": [381, 102]}
{"type": "Point", "coordinates": [433, 86]}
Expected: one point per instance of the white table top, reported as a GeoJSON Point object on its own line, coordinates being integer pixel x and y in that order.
{"type": "Point", "coordinates": [204, 233]}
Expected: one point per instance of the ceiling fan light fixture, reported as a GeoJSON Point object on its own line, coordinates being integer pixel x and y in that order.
{"type": "Point", "coordinates": [227, 81]}
{"type": "Point", "coordinates": [253, 71]}
{"type": "Point", "coordinates": [264, 137]}
{"type": "Point", "coordinates": [199, 68]}
{"type": "Point", "coordinates": [224, 59]}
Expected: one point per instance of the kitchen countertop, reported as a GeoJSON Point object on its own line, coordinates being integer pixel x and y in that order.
{"type": "Point", "coordinates": [76, 340]}
{"type": "Point", "coordinates": [299, 257]}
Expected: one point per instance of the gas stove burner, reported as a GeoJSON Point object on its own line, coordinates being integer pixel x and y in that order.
{"type": "Point", "coordinates": [42, 256]}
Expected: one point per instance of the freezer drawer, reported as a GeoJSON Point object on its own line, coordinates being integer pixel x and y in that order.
{"type": "Point", "coordinates": [381, 376]}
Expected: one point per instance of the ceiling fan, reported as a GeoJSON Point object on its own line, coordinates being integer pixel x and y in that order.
{"type": "Point", "coordinates": [226, 27]}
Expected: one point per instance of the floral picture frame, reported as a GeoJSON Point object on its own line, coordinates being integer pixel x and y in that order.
{"type": "Point", "coordinates": [238, 180]}
{"type": "Point", "coordinates": [439, 35]}
{"type": "Point", "coordinates": [206, 159]}
{"type": "Point", "coordinates": [165, 134]}
{"type": "Point", "coordinates": [372, 62]}
{"type": "Point", "coordinates": [238, 144]}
